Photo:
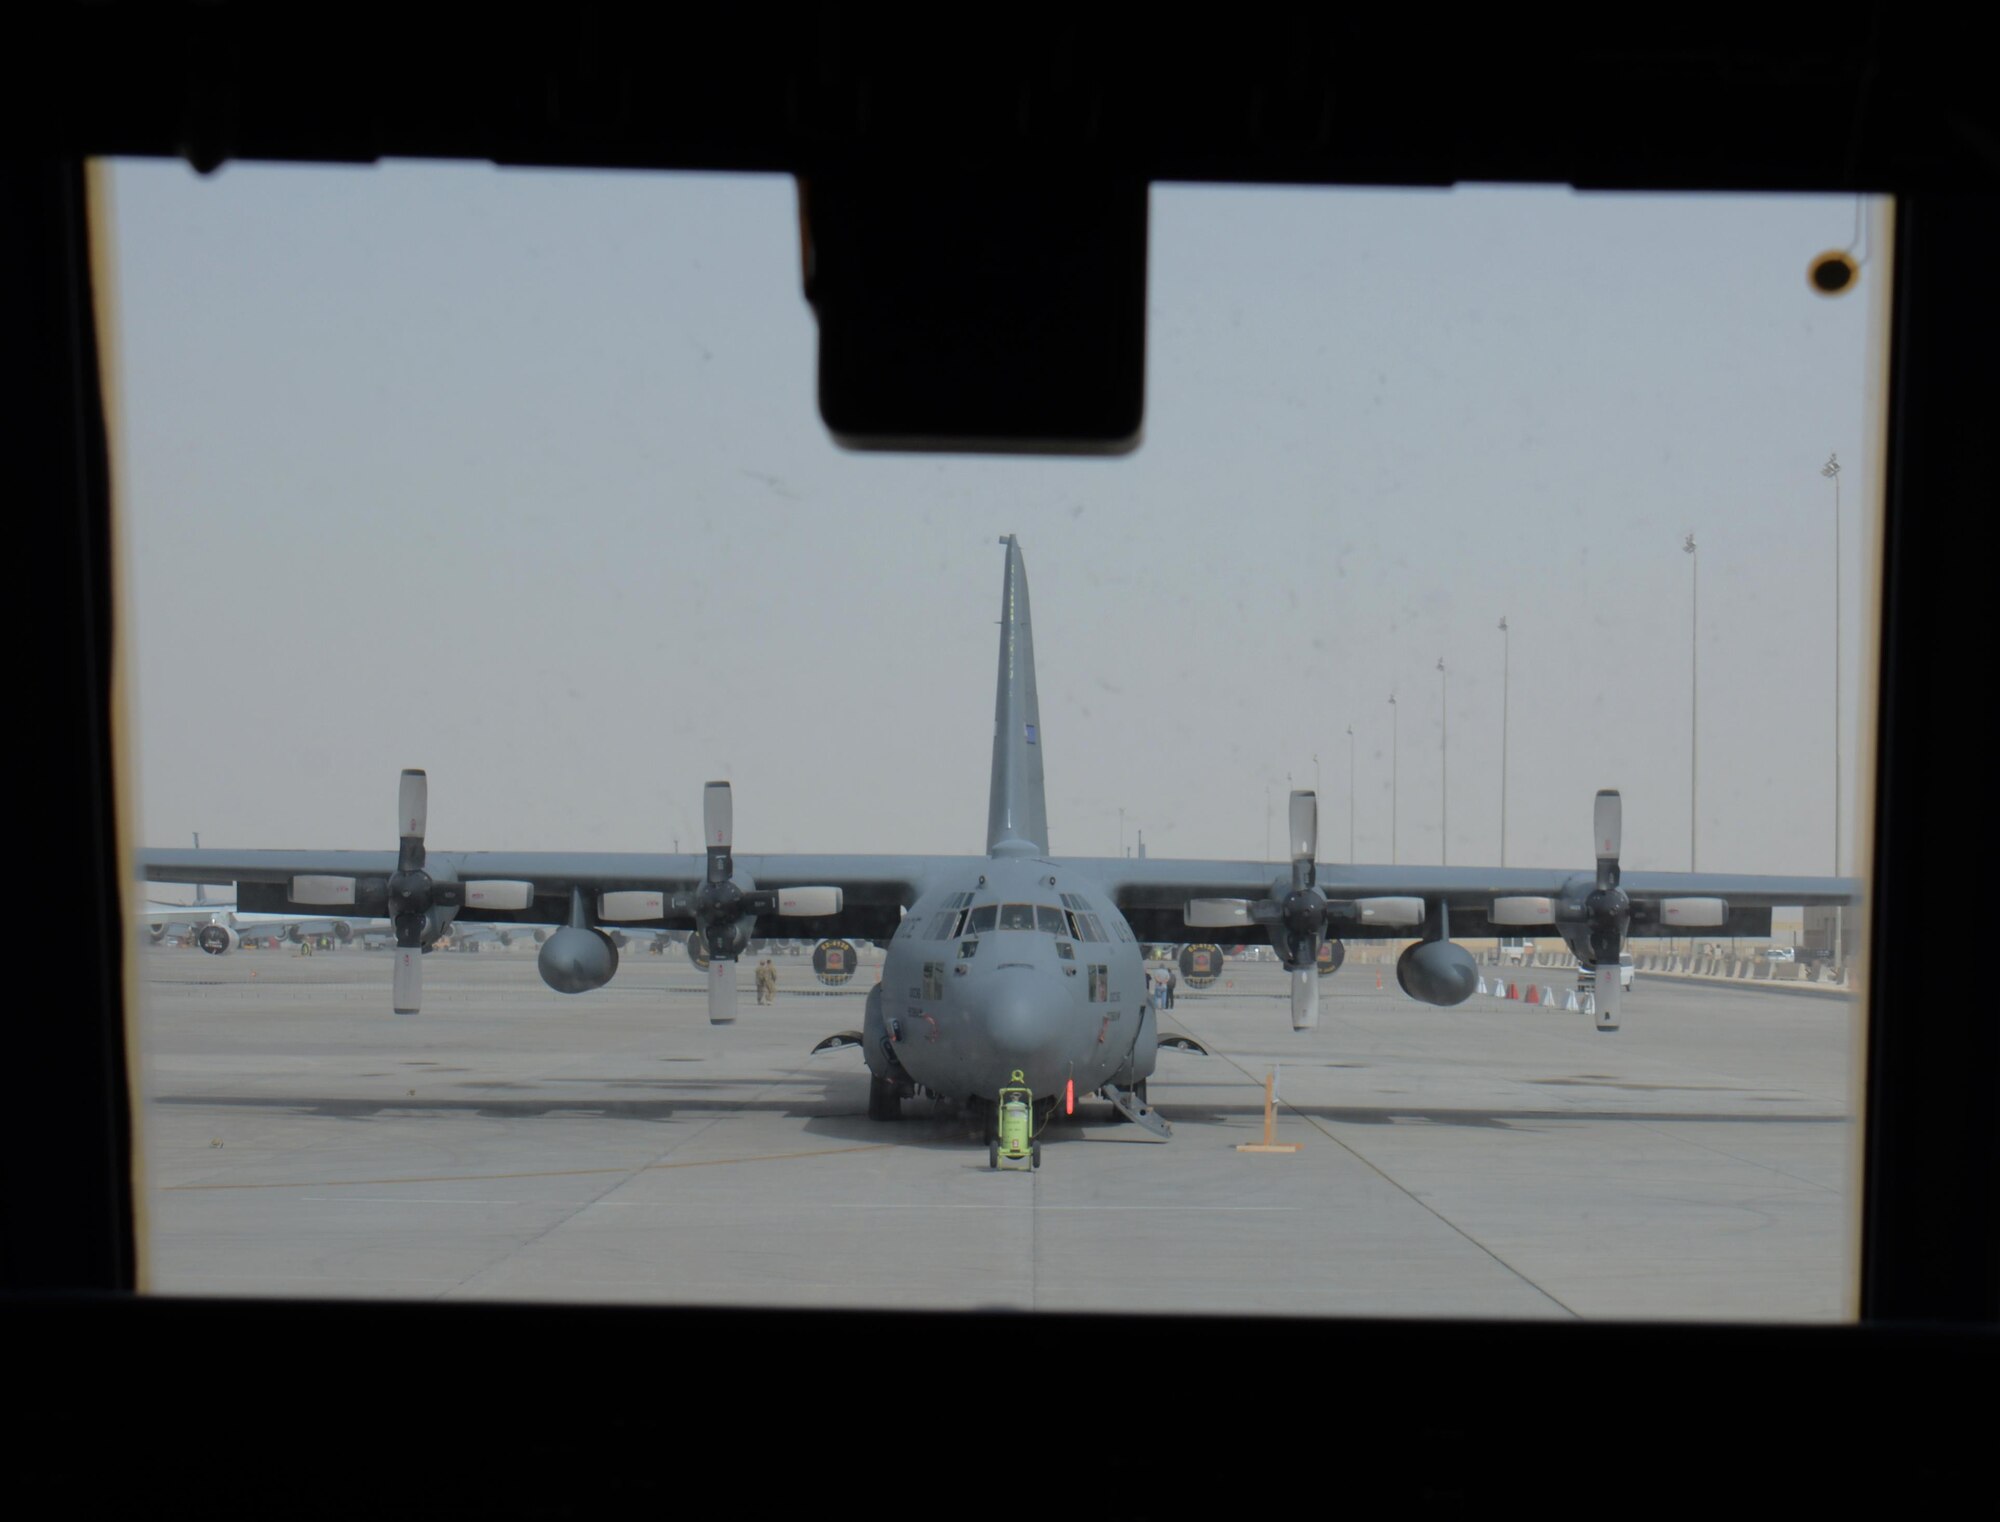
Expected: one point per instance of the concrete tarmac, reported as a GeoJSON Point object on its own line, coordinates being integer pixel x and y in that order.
{"type": "Point", "coordinates": [1494, 1160]}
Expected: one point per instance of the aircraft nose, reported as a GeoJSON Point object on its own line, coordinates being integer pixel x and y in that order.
{"type": "Point", "coordinates": [1024, 1025]}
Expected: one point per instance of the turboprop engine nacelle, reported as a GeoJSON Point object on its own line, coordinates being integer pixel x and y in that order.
{"type": "Point", "coordinates": [1437, 972]}
{"type": "Point", "coordinates": [575, 960]}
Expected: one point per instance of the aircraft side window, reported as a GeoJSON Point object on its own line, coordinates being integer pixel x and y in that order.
{"type": "Point", "coordinates": [1048, 919]}
{"type": "Point", "coordinates": [957, 924]}
{"type": "Point", "coordinates": [1092, 930]}
{"type": "Point", "coordinates": [1099, 983]}
{"type": "Point", "coordinates": [982, 918]}
{"type": "Point", "coordinates": [967, 950]}
{"type": "Point", "coordinates": [1017, 916]}
{"type": "Point", "coordinates": [1066, 951]}
{"type": "Point", "coordinates": [1074, 933]}
{"type": "Point", "coordinates": [933, 980]}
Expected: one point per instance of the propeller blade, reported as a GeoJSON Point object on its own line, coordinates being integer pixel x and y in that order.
{"type": "Point", "coordinates": [409, 993]}
{"type": "Point", "coordinates": [1692, 913]}
{"type": "Point", "coordinates": [721, 992]}
{"type": "Point", "coordinates": [412, 804]}
{"type": "Point", "coordinates": [809, 902]}
{"type": "Point", "coordinates": [1390, 911]}
{"type": "Point", "coordinates": [322, 890]}
{"type": "Point", "coordinates": [1609, 985]}
{"type": "Point", "coordinates": [1522, 911]}
{"type": "Point", "coordinates": [500, 894]}
{"type": "Point", "coordinates": [718, 815]}
{"type": "Point", "coordinates": [1305, 998]}
{"type": "Point", "coordinates": [1608, 824]}
{"type": "Point", "coordinates": [1216, 913]}
{"type": "Point", "coordinates": [1305, 825]}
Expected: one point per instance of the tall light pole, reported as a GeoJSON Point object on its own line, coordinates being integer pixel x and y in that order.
{"type": "Point", "coordinates": [1350, 795]}
{"type": "Point", "coordinates": [1444, 765]}
{"type": "Point", "coordinates": [1503, 737]}
{"type": "Point", "coordinates": [1395, 772]}
{"type": "Point", "coordinates": [1694, 697]}
{"type": "Point", "coordinates": [1831, 470]}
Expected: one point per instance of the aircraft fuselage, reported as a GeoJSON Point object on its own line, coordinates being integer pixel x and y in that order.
{"type": "Point", "coordinates": [1024, 966]}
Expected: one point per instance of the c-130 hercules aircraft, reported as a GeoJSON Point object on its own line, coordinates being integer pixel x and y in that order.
{"type": "Point", "coordinates": [1013, 967]}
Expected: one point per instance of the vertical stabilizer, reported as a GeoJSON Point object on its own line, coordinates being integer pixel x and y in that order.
{"type": "Point", "coordinates": [1017, 818]}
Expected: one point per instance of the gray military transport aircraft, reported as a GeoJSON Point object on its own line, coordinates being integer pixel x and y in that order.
{"type": "Point", "coordinates": [1015, 966]}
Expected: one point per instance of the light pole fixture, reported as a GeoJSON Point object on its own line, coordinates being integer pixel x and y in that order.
{"type": "Point", "coordinates": [1444, 765]}
{"type": "Point", "coordinates": [1831, 470]}
{"type": "Point", "coordinates": [1694, 696]}
{"type": "Point", "coordinates": [1350, 795]}
{"type": "Point", "coordinates": [1395, 773]}
{"type": "Point", "coordinates": [1503, 738]}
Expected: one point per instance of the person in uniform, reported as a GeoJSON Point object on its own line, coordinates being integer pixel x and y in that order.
{"type": "Point", "coordinates": [767, 982]}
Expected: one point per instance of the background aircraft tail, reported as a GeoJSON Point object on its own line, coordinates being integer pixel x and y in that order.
{"type": "Point", "coordinates": [1017, 817]}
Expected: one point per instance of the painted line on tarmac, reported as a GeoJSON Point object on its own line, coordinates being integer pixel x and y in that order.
{"type": "Point", "coordinates": [768, 1157]}
{"type": "Point", "coordinates": [1401, 1188]}
{"type": "Point", "coordinates": [477, 1178]}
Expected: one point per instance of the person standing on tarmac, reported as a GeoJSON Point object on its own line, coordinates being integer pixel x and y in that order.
{"type": "Point", "coordinates": [1173, 982]}
{"type": "Point", "coordinates": [767, 982]}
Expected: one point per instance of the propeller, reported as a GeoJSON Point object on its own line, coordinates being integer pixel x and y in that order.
{"type": "Point", "coordinates": [725, 911]}
{"type": "Point", "coordinates": [1296, 922]}
{"type": "Point", "coordinates": [414, 894]}
{"type": "Point", "coordinates": [1607, 912]}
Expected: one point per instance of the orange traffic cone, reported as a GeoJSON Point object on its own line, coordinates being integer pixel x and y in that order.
{"type": "Point", "coordinates": [1378, 979]}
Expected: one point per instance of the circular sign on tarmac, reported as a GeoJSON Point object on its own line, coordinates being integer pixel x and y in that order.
{"type": "Point", "coordinates": [1331, 955]}
{"type": "Point", "coordinates": [1201, 965]}
{"type": "Point", "coordinates": [833, 962]}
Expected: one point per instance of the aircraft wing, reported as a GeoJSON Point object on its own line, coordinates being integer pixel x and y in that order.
{"type": "Point", "coordinates": [183, 914]}
{"type": "Point", "coordinates": [1154, 894]}
{"type": "Point", "coordinates": [874, 889]}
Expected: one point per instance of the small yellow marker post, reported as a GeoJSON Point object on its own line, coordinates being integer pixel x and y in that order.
{"type": "Point", "coordinates": [1270, 1122]}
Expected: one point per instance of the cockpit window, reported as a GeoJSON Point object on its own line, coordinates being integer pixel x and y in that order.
{"type": "Point", "coordinates": [982, 919]}
{"type": "Point", "coordinates": [1049, 919]}
{"type": "Point", "coordinates": [1017, 916]}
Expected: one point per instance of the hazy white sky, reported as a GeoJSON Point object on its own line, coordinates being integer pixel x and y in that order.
{"type": "Point", "coordinates": [518, 476]}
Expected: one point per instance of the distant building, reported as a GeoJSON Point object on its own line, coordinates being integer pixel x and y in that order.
{"type": "Point", "coordinates": [1817, 931]}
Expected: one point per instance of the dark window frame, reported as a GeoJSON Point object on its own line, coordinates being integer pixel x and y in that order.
{"type": "Point", "coordinates": [1928, 1233]}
